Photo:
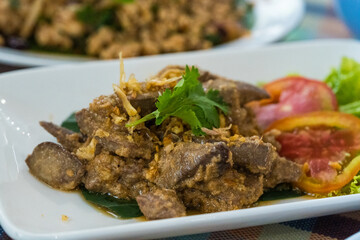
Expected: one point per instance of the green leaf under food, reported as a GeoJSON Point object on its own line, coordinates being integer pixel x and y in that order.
{"type": "Point", "coordinates": [71, 124]}
{"type": "Point", "coordinates": [274, 194]}
{"type": "Point", "coordinates": [120, 207]}
{"type": "Point", "coordinates": [189, 102]}
{"type": "Point", "coordinates": [280, 192]}
{"type": "Point", "coordinates": [345, 81]}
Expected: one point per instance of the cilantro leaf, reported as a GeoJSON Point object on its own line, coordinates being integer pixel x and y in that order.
{"type": "Point", "coordinates": [189, 102]}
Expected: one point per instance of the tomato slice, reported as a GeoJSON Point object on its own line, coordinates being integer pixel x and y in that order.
{"type": "Point", "coordinates": [326, 143]}
{"type": "Point", "coordinates": [293, 95]}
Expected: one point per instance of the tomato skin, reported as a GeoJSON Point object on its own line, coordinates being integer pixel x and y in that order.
{"type": "Point", "coordinates": [293, 95]}
{"type": "Point", "coordinates": [277, 87]}
{"type": "Point", "coordinates": [343, 122]}
{"type": "Point", "coordinates": [325, 118]}
{"type": "Point", "coordinates": [310, 185]}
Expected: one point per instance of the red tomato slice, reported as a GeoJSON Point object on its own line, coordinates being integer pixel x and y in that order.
{"type": "Point", "coordinates": [293, 95]}
{"type": "Point", "coordinates": [326, 143]}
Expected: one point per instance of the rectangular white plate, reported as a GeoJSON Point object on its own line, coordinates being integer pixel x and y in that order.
{"type": "Point", "coordinates": [32, 210]}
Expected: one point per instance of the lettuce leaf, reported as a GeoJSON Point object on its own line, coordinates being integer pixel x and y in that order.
{"type": "Point", "coordinates": [345, 81]}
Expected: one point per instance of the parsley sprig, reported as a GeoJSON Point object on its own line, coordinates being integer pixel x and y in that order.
{"type": "Point", "coordinates": [189, 102]}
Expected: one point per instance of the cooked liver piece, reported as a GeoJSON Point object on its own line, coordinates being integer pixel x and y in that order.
{"type": "Point", "coordinates": [165, 170]}
{"type": "Point", "coordinates": [160, 204]}
{"type": "Point", "coordinates": [98, 115]}
{"type": "Point", "coordinates": [145, 102]}
{"type": "Point", "coordinates": [67, 138]}
{"type": "Point", "coordinates": [54, 165]}
{"type": "Point", "coordinates": [236, 93]}
{"type": "Point", "coordinates": [250, 153]}
{"type": "Point", "coordinates": [283, 171]}
{"type": "Point", "coordinates": [136, 145]}
{"type": "Point", "coordinates": [233, 190]}
{"type": "Point", "coordinates": [122, 178]}
{"type": "Point", "coordinates": [116, 137]}
{"type": "Point", "coordinates": [253, 154]}
{"type": "Point", "coordinates": [185, 159]}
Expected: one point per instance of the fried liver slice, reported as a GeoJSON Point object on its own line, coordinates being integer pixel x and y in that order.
{"type": "Point", "coordinates": [160, 204]}
{"type": "Point", "coordinates": [184, 161]}
{"type": "Point", "coordinates": [68, 139]}
{"type": "Point", "coordinates": [55, 166]}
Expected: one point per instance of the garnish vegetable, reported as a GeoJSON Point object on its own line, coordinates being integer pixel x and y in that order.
{"type": "Point", "coordinates": [326, 143]}
{"type": "Point", "coordinates": [345, 83]}
{"type": "Point", "coordinates": [293, 95]}
{"type": "Point", "coordinates": [189, 102]}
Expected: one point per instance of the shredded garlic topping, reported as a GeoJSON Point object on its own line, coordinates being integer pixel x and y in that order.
{"type": "Point", "coordinates": [127, 105]}
{"type": "Point", "coordinates": [87, 151]}
{"type": "Point", "coordinates": [122, 72]}
{"type": "Point", "coordinates": [119, 90]}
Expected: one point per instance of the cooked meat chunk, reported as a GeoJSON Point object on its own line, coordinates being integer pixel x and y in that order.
{"type": "Point", "coordinates": [160, 204]}
{"type": "Point", "coordinates": [145, 102]}
{"type": "Point", "coordinates": [250, 153]}
{"type": "Point", "coordinates": [136, 145]}
{"type": "Point", "coordinates": [236, 93]}
{"type": "Point", "coordinates": [184, 161]}
{"type": "Point", "coordinates": [253, 154]}
{"type": "Point", "coordinates": [165, 167]}
{"type": "Point", "coordinates": [233, 190]}
{"type": "Point", "coordinates": [243, 121]}
{"type": "Point", "coordinates": [101, 114]}
{"type": "Point", "coordinates": [283, 171]}
{"type": "Point", "coordinates": [67, 138]}
{"type": "Point", "coordinates": [122, 178]}
{"type": "Point", "coordinates": [54, 165]}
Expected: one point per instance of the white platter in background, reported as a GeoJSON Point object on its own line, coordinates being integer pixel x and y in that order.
{"type": "Point", "coordinates": [32, 210]}
{"type": "Point", "coordinates": [273, 20]}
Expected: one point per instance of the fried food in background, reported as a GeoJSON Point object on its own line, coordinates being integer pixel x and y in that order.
{"type": "Point", "coordinates": [135, 27]}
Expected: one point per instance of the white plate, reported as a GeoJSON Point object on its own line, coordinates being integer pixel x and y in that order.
{"type": "Point", "coordinates": [32, 210]}
{"type": "Point", "coordinates": [274, 19]}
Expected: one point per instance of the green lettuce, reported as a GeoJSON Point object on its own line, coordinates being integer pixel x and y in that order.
{"type": "Point", "coordinates": [345, 83]}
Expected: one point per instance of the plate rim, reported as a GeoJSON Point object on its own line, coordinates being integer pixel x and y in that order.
{"type": "Point", "coordinates": [16, 232]}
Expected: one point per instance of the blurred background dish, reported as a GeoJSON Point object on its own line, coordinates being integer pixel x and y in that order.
{"type": "Point", "coordinates": [269, 20]}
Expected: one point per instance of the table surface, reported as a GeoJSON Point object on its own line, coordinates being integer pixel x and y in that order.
{"type": "Point", "coordinates": [319, 22]}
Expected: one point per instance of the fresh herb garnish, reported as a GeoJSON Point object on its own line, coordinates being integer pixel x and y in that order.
{"type": "Point", "coordinates": [345, 83]}
{"type": "Point", "coordinates": [120, 207]}
{"type": "Point", "coordinates": [189, 102]}
{"type": "Point", "coordinates": [71, 123]}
